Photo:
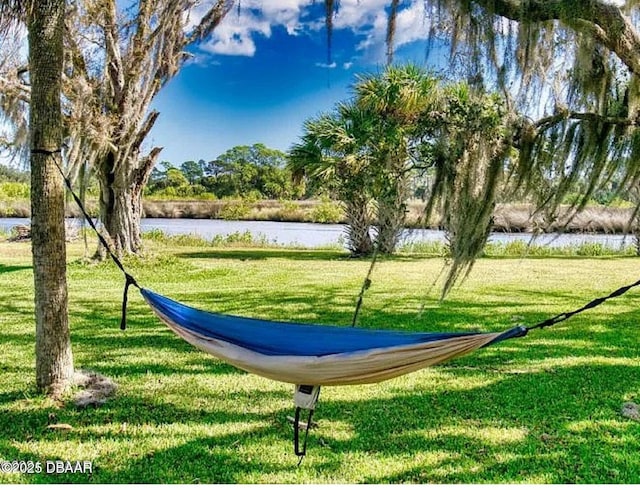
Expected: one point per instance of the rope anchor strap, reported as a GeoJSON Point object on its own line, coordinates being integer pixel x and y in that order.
{"type": "Point", "coordinates": [305, 397]}
{"type": "Point", "coordinates": [129, 279]}
{"type": "Point", "coordinates": [591, 304]}
{"type": "Point", "coordinates": [44, 151]}
{"type": "Point", "coordinates": [301, 453]}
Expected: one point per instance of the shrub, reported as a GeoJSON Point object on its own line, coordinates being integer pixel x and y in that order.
{"type": "Point", "coordinates": [14, 190]}
{"type": "Point", "coordinates": [184, 190]}
{"type": "Point", "coordinates": [168, 192]}
{"type": "Point", "coordinates": [327, 212]}
{"type": "Point", "coordinates": [155, 234]}
{"type": "Point", "coordinates": [430, 247]}
{"type": "Point", "coordinates": [592, 250]}
{"type": "Point", "coordinates": [288, 211]}
{"type": "Point", "coordinates": [235, 210]}
{"type": "Point", "coordinates": [235, 238]}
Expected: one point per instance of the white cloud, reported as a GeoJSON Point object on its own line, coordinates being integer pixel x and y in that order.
{"type": "Point", "coordinates": [412, 24]}
{"type": "Point", "coordinates": [327, 65]}
{"type": "Point", "coordinates": [287, 13]}
{"type": "Point", "coordinates": [347, 65]}
{"type": "Point", "coordinates": [234, 36]}
{"type": "Point", "coordinates": [367, 19]}
{"type": "Point", "coordinates": [358, 15]}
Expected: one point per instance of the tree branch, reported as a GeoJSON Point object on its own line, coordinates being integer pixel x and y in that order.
{"type": "Point", "coordinates": [210, 21]}
{"type": "Point", "coordinates": [19, 90]}
{"type": "Point", "coordinates": [115, 67]}
{"type": "Point", "coordinates": [77, 55]}
{"type": "Point", "coordinates": [146, 166]}
{"type": "Point", "coordinates": [140, 44]}
{"type": "Point", "coordinates": [145, 128]}
{"type": "Point", "coordinates": [547, 122]}
{"type": "Point", "coordinates": [602, 20]}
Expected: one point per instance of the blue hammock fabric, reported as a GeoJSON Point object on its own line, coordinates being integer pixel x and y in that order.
{"type": "Point", "coordinates": [315, 354]}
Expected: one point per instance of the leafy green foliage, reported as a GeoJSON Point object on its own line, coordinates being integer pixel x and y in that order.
{"type": "Point", "coordinates": [245, 238]}
{"type": "Point", "coordinates": [333, 153]}
{"type": "Point", "coordinates": [234, 210]}
{"type": "Point", "coordinates": [361, 152]}
{"type": "Point", "coordinates": [396, 101]}
{"type": "Point", "coordinates": [14, 190]}
{"type": "Point", "coordinates": [570, 78]}
{"type": "Point", "coordinates": [243, 171]}
{"type": "Point", "coordinates": [327, 212]}
{"type": "Point", "coordinates": [468, 144]}
{"type": "Point", "coordinates": [400, 123]}
{"type": "Point", "coordinates": [12, 174]}
{"type": "Point", "coordinates": [193, 171]}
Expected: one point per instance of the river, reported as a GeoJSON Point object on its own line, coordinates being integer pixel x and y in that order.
{"type": "Point", "coordinates": [317, 235]}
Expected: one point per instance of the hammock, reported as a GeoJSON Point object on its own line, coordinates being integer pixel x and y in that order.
{"type": "Point", "coordinates": [311, 356]}
{"type": "Point", "coordinates": [317, 355]}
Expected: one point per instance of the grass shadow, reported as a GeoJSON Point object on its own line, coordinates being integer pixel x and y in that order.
{"type": "Point", "coordinates": [263, 254]}
{"type": "Point", "coordinates": [545, 408]}
{"type": "Point", "coordinates": [5, 269]}
{"type": "Point", "coordinates": [500, 431]}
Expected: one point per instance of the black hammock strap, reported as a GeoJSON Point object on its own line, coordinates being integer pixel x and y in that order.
{"type": "Point", "coordinates": [129, 279]}
{"type": "Point", "coordinates": [591, 304]}
{"type": "Point", "coordinates": [296, 434]}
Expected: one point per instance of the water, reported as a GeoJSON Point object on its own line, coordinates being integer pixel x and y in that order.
{"type": "Point", "coordinates": [316, 235]}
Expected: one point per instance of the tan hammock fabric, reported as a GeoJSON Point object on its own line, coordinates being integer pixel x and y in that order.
{"type": "Point", "coordinates": [360, 367]}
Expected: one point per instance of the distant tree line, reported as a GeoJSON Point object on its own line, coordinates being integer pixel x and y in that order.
{"type": "Point", "coordinates": [12, 174]}
{"type": "Point", "coordinates": [243, 171]}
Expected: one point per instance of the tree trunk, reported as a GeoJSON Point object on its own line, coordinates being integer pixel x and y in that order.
{"type": "Point", "coordinates": [54, 360]}
{"type": "Point", "coordinates": [358, 223]}
{"type": "Point", "coordinates": [392, 210]}
{"type": "Point", "coordinates": [118, 208]}
{"type": "Point", "coordinates": [391, 217]}
{"type": "Point", "coordinates": [121, 187]}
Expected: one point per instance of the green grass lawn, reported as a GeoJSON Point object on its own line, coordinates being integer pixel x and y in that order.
{"type": "Point", "coordinates": [542, 409]}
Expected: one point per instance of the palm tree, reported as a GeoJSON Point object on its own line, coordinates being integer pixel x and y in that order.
{"type": "Point", "coordinates": [45, 24]}
{"type": "Point", "coordinates": [364, 151]}
{"type": "Point", "coordinates": [334, 150]}
{"type": "Point", "coordinates": [395, 102]}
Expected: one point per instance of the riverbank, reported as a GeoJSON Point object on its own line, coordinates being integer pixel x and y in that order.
{"type": "Point", "coordinates": [508, 218]}
{"type": "Point", "coordinates": [315, 236]}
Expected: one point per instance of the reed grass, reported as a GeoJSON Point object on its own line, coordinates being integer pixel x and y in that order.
{"type": "Point", "coordinates": [510, 218]}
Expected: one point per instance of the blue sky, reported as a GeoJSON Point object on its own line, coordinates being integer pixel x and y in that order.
{"type": "Point", "coordinates": [265, 71]}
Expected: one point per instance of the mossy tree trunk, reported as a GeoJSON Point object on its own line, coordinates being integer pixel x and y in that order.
{"type": "Point", "coordinates": [122, 179]}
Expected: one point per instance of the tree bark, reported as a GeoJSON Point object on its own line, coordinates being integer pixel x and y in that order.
{"type": "Point", "coordinates": [139, 61]}
{"type": "Point", "coordinates": [358, 223]}
{"type": "Point", "coordinates": [54, 360]}
{"type": "Point", "coordinates": [392, 206]}
{"type": "Point", "coordinates": [392, 212]}
{"type": "Point", "coordinates": [122, 177]}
